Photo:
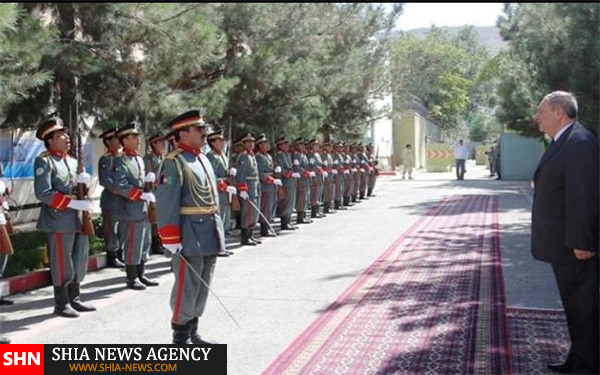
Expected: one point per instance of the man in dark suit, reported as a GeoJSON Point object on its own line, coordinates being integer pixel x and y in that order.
{"type": "Point", "coordinates": [564, 230]}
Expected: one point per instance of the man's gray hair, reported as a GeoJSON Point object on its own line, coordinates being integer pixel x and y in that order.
{"type": "Point", "coordinates": [565, 100]}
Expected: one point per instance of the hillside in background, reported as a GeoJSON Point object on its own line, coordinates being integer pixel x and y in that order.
{"type": "Point", "coordinates": [488, 36]}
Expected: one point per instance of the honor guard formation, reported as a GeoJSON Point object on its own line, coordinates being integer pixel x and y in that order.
{"type": "Point", "coordinates": [184, 202]}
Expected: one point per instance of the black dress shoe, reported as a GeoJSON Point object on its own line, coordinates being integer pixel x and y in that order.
{"type": "Point", "coordinates": [6, 301]}
{"type": "Point", "coordinates": [563, 368]}
{"type": "Point", "coordinates": [224, 254]}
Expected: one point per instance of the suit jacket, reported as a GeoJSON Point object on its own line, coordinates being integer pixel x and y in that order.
{"type": "Point", "coordinates": [565, 199]}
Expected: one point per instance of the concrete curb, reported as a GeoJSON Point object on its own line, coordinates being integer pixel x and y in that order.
{"type": "Point", "coordinates": [41, 278]}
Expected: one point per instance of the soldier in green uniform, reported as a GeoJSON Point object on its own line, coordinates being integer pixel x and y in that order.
{"type": "Point", "coordinates": [224, 176]}
{"type": "Point", "coordinates": [338, 162]}
{"type": "Point", "coordinates": [237, 149]}
{"type": "Point", "coordinates": [285, 205]}
{"type": "Point", "coordinates": [55, 179]}
{"type": "Point", "coordinates": [152, 159]}
{"type": "Point", "coordinates": [248, 188]}
{"type": "Point", "coordinates": [364, 171]}
{"type": "Point", "coordinates": [189, 224]}
{"type": "Point", "coordinates": [329, 183]}
{"type": "Point", "coordinates": [373, 166]}
{"type": "Point", "coordinates": [315, 164]}
{"type": "Point", "coordinates": [130, 176]}
{"type": "Point", "coordinates": [301, 166]}
{"type": "Point", "coordinates": [110, 201]}
{"type": "Point", "coordinates": [268, 184]}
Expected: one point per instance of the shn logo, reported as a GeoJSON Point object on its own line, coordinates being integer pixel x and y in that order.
{"type": "Point", "coordinates": [21, 359]}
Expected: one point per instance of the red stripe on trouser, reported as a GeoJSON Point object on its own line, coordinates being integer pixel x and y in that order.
{"type": "Point", "coordinates": [130, 247]}
{"type": "Point", "coordinates": [180, 285]}
{"type": "Point", "coordinates": [107, 227]}
{"type": "Point", "coordinates": [60, 259]}
{"type": "Point", "coordinates": [248, 213]}
{"type": "Point", "coordinates": [264, 207]}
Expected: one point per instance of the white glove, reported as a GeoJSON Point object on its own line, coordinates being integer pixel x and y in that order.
{"type": "Point", "coordinates": [334, 171]}
{"type": "Point", "coordinates": [148, 197]}
{"type": "Point", "coordinates": [232, 172]}
{"type": "Point", "coordinates": [2, 187]}
{"type": "Point", "coordinates": [336, 162]}
{"type": "Point", "coordinates": [277, 169]}
{"type": "Point", "coordinates": [362, 170]}
{"type": "Point", "coordinates": [80, 205]}
{"type": "Point", "coordinates": [84, 178]}
{"type": "Point", "coordinates": [2, 218]}
{"type": "Point", "coordinates": [295, 175]}
{"type": "Point", "coordinates": [363, 161]}
{"type": "Point", "coordinates": [325, 174]}
{"type": "Point", "coordinates": [312, 161]}
{"type": "Point", "coordinates": [174, 248]}
{"type": "Point", "coordinates": [5, 205]}
{"type": "Point", "coordinates": [353, 169]}
{"type": "Point", "coordinates": [312, 174]}
{"type": "Point", "coordinates": [296, 162]}
{"type": "Point", "coordinates": [277, 182]}
{"type": "Point", "coordinates": [231, 190]}
{"type": "Point", "coordinates": [325, 163]}
{"type": "Point", "coordinates": [346, 172]}
{"type": "Point", "coordinates": [150, 177]}
{"type": "Point", "coordinates": [244, 195]}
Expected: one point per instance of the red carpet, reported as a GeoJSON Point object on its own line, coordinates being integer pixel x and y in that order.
{"type": "Point", "coordinates": [537, 337]}
{"type": "Point", "coordinates": [433, 303]}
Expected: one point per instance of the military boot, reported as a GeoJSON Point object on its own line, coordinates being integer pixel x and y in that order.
{"type": "Point", "coordinates": [194, 336]}
{"type": "Point", "coordinates": [369, 192]}
{"type": "Point", "coordinates": [132, 281]}
{"type": "Point", "coordinates": [61, 303]}
{"type": "Point", "coordinates": [246, 238]}
{"type": "Point", "coordinates": [4, 340]}
{"type": "Point", "coordinates": [141, 270]}
{"type": "Point", "coordinates": [264, 230]}
{"type": "Point", "coordinates": [252, 238]}
{"type": "Point", "coordinates": [181, 334]}
{"type": "Point", "coordinates": [74, 297]}
{"type": "Point", "coordinates": [112, 260]}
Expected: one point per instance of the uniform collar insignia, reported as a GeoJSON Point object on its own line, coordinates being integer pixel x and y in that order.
{"type": "Point", "coordinates": [57, 153]}
{"type": "Point", "coordinates": [130, 152]}
{"type": "Point", "coordinates": [191, 150]}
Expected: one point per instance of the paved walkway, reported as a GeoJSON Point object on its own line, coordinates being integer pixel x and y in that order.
{"type": "Point", "coordinates": [278, 288]}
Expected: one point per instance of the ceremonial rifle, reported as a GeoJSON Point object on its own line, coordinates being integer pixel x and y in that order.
{"type": "Point", "coordinates": [148, 186]}
{"type": "Point", "coordinates": [233, 199]}
{"type": "Point", "coordinates": [87, 226]}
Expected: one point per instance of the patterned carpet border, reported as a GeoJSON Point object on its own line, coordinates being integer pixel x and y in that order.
{"type": "Point", "coordinates": [537, 337]}
{"type": "Point", "coordinates": [433, 302]}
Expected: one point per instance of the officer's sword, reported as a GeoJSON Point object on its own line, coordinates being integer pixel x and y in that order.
{"type": "Point", "coordinates": [209, 288]}
{"type": "Point", "coordinates": [261, 214]}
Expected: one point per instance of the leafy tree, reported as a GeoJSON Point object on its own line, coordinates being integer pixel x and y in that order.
{"type": "Point", "coordinates": [555, 46]}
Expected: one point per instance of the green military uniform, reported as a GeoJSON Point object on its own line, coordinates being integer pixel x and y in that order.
{"type": "Point", "coordinates": [268, 187]}
{"type": "Point", "coordinates": [68, 248]}
{"type": "Point", "coordinates": [247, 181]}
{"type": "Point", "coordinates": [315, 165]}
{"type": "Point", "coordinates": [301, 166]}
{"type": "Point", "coordinates": [286, 204]}
{"type": "Point", "coordinates": [220, 166]}
{"type": "Point", "coordinates": [152, 160]}
{"type": "Point", "coordinates": [110, 204]}
{"type": "Point", "coordinates": [129, 174]}
{"type": "Point", "coordinates": [373, 169]}
{"type": "Point", "coordinates": [329, 183]}
{"type": "Point", "coordinates": [190, 227]}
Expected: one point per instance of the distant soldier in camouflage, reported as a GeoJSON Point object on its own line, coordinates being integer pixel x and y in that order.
{"type": "Point", "coordinates": [301, 166]}
{"type": "Point", "coordinates": [189, 224]}
{"type": "Point", "coordinates": [224, 175]}
{"type": "Point", "coordinates": [55, 179]}
{"type": "Point", "coordinates": [248, 188]}
{"type": "Point", "coordinates": [130, 176]}
{"type": "Point", "coordinates": [285, 206]}
{"type": "Point", "coordinates": [110, 201]}
{"type": "Point", "coordinates": [268, 184]}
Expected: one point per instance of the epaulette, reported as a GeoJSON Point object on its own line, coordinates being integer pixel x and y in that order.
{"type": "Point", "coordinates": [172, 154]}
